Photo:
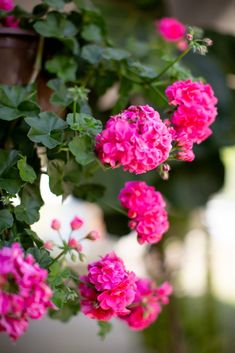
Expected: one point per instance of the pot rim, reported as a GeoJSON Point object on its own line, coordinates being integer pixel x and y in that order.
{"type": "Point", "coordinates": [17, 32]}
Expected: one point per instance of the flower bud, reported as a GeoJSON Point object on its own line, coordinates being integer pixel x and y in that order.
{"type": "Point", "coordinates": [208, 42]}
{"type": "Point", "coordinates": [48, 245]}
{"type": "Point", "coordinates": [189, 36]}
{"type": "Point", "coordinates": [93, 235]}
{"type": "Point", "coordinates": [55, 224]}
{"type": "Point", "coordinates": [74, 244]}
{"type": "Point", "coordinates": [76, 223]}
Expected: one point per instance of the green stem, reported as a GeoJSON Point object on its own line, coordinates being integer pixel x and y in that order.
{"type": "Point", "coordinates": [117, 209]}
{"type": "Point", "coordinates": [156, 90]}
{"type": "Point", "coordinates": [171, 64]}
{"type": "Point", "coordinates": [38, 61]}
{"type": "Point", "coordinates": [74, 111]}
{"type": "Point", "coordinates": [57, 258]}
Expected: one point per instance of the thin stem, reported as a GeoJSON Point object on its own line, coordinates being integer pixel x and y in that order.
{"type": "Point", "coordinates": [156, 90]}
{"type": "Point", "coordinates": [171, 64]}
{"type": "Point", "coordinates": [38, 61]}
{"type": "Point", "coordinates": [117, 209]}
{"type": "Point", "coordinates": [57, 258]}
{"type": "Point", "coordinates": [74, 111]}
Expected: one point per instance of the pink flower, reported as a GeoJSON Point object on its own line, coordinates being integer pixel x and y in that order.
{"type": "Point", "coordinates": [146, 208]}
{"type": "Point", "coordinates": [55, 224]}
{"type": "Point", "coordinates": [137, 139]}
{"type": "Point", "coordinates": [107, 272]}
{"type": "Point", "coordinates": [11, 22]}
{"type": "Point", "coordinates": [76, 223]}
{"type": "Point", "coordinates": [170, 29]}
{"type": "Point", "coordinates": [74, 244]}
{"type": "Point", "coordinates": [108, 289]}
{"type": "Point", "coordinates": [147, 304]}
{"type": "Point", "coordinates": [24, 293]}
{"type": "Point", "coordinates": [195, 111]}
{"type": "Point", "coordinates": [94, 235]}
{"type": "Point", "coordinates": [7, 5]}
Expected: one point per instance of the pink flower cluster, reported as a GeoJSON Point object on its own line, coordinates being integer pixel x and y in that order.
{"type": "Point", "coordinates": [147, 303]}
{"type": "Point", "coordinates": [172, 30]}
{"type": "Point", "coordinates": [24, 293]}
{"type": "Point", "coordinates": [6, 5]}
{"type": "Point", "coordinates": [195, 104]}
{"type": "Point", "coordinates": [10, 21]}
{"type": "Point", "coordinates": [137, 139]}
{"type": "Point", "coordinates": [146, 209]}
{"type": "Point", "coordinates": [109, 290]}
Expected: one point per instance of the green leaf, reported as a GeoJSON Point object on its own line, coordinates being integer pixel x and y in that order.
{"type": "Point", "coordinates": [56, 25]}
{"type": "Point", "coordinates": [69, 309]}
{"type": "Point", "coordinates": [141, 70]}
{"type": "Point", "coordinates": [55, 171]}
{"type": "Point", "coordinates": [47, 129]}
{"type": "Point", "coordinates": [6, 220]}
{"type": "Point", "coordinates": [92, 53]}
{"type": "Point", "coordinates": [34, 237]}
{"type": "Point", "coordinates": [84, 123]}
{"type": "Point", "coordinates": [56, 4]}
{"type": "Point", "coordinates": [92, 33]}
{"type": "Point", "coordinates": [89, 192]}
{"type": "Point", "coordinates": [82, 149]}
{"type": "Point", "coordinates": [15, 101]}
{"type": "Point", "coordinates": [104, 328]}
{"type": "Point", "coordinates": [61, 95]}
{"type": "Point", "coordinates": [9, 174]}
{"type": "Point", "coordinates": [31, 202]}
{"type": "Point", "coordinates": [41, 256]}
{"type": "Point", "coordinates": [115, 54]}
{"type": "Point", "coordinates": [27, 173]}
{"type": "Point", "coordinates": [63, 66]}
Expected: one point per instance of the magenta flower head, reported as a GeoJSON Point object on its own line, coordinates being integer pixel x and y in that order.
{"type": "Point", "coordinates": [94, 235]}
{"type": "Point", "coordinates": [135, 139]}
{"type": "Point", "coordinates": [76, 223]}
{"type": "Point", "coordinates": [170, 29]}
{"type": "Point", "coordinates": [108, 289]}
{"type": "Point", "coordinates": [7, 5]}
{"type": "Point", "coordinates": [146, 209]}
{"type": "Point", "coordinates": [195, 111]}
{"type": "Point", "coordinates": [55, 224]}
{"type": "Point", "coordinates": [24, 293]}
{"type": "Point", "coordinates": [147, 304]}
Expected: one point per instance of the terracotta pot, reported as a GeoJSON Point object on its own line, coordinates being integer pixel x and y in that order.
{"type": "Point", "coordinates": [18, 50]}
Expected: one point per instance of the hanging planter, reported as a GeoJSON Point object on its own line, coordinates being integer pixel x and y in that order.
{"type": "Point", "coordinates": [18, 50]}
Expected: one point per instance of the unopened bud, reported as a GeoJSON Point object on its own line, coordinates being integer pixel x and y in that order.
{"type": "Point", "coordinates": [76, 223]}
{"type": "Point", "coordinates": [93, 235]}
{"type": "Point", "coordinates": [189, 36]}
{"type": "Point", "coordinates": [208, 41]}
{"type": "Point", "coordinates": [55, 224]}
{"type": "Point", "coordinates": [48, 245]}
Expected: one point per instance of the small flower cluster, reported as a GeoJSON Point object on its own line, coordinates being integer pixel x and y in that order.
{"type": "Point", "coordinates": [109, 290]}
{"type": "Point", "coordinates": [146, 209]}
{"type": "Point", "coordinates": [195, 112]}
{"type": "Point", "coordinates": [172, 30]}
{"type": "Point", "coordinates": [24, 293]}
{"type": "Point", "coordinates": [137, 139]}
{"type": "Point", "coordinates": [9, 21]}
{"type": "Point", "coordinates": [72, 244]}
{"type": "Point", "coordinates": [147, 304]}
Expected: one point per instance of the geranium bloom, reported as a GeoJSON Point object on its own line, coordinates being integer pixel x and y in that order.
{"type": "Point", "coordinates": [108, 289]}
{"type": "Point", "coordinates": [147, 304]}
{"type": "Point", "coordinates": [170, 29]}
{"type": "Point", "coordinates": [24, 293]}
{"type": "Point", "coordinates": [76, 223]}
{"type": "Point", "coordinates": [6, 5]}
{"type": "Point", "coordinates": [146, 208]}
{"type": "Point", "coordinates": [137, 139]}
{"type": "Point", "coordinates": [196, 110]}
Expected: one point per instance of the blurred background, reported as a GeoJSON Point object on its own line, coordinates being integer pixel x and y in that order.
{"type": "Point", "coordinates": [198, 253]}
